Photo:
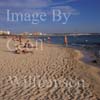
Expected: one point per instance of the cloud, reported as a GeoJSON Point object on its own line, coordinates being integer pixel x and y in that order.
{"type": "Point", "coordinates": [32, 6]}
{"type": "Point", "coordinates": [36, 4]}
{"type": "Point", "coordinates": [33, 3]}
{"type": "Point", "coordinates": [24, 3]}
{"type": "Point", "coordinates": [67, 9]}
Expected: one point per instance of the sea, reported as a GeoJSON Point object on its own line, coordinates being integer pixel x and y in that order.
{"type": "Point", "coordinates": [88, 44]}
{"type": "Point", "coordinates": [81, 40]}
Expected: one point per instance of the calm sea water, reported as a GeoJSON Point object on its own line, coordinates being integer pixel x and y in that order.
{"type": "Point", "coordinates": [75, 40]}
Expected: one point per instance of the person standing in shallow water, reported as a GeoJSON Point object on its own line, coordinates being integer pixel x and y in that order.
{"type": "Point", "coordinates": [49, 39]}
{"type": "Point", "coordinates": [65, 41]}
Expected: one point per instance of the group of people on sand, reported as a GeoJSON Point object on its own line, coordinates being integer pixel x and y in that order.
{"type": "Point", "coordinates": [24, 47]}
{"type": "Point", "coordinates": [27, 47]}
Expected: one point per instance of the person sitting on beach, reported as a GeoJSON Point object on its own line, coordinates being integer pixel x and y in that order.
{"type": "Point", "coordinates": [18, 49]}
{"type": "Point", "coordinates": [28, 44]}
{"type": "Point", "coordinates": [25, 48]}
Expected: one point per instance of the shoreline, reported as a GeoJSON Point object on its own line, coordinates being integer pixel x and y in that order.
{"type": "Point", "coordinates": [89, 57]}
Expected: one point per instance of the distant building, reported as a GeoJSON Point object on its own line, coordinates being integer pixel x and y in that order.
{"type": "Point", "coordinates": [25, 33]}
{"type": "Point", "coordinates": [41, 33]}
{"type": "Point", "coordinates": [37, 33]}
{"type": "Point", "coordinates": [5, 33]}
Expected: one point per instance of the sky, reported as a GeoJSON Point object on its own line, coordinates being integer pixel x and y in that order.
{"type": "Point", "coordinates": [50, 16]}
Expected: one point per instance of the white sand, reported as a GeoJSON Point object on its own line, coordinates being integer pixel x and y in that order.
{"type": "Point", "coordinates": [52, 74]}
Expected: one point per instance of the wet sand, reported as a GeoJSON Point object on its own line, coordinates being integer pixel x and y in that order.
{"type": "Point", "coordinates": [55, 73]}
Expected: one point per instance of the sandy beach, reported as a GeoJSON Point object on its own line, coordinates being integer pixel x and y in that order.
{"type": "Point", "coordinates": [54, 73]}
